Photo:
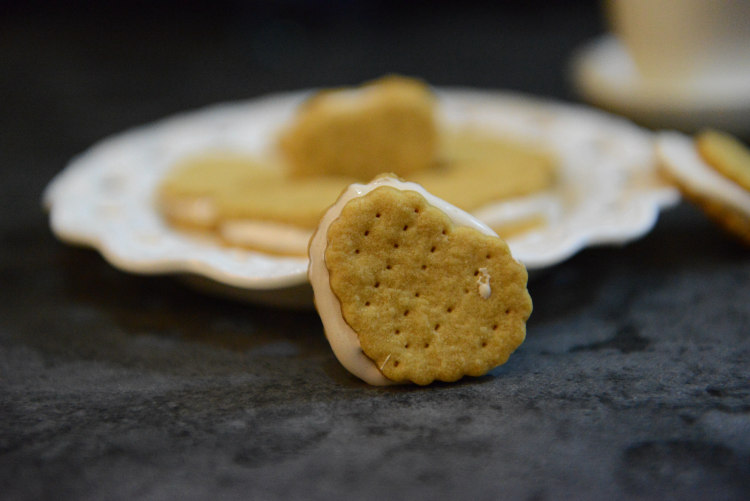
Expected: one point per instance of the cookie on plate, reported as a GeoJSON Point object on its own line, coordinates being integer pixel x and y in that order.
{"type": "Point", "coordinates": [246, 201]}
{"type": "Point", "coordinates": [273, 200]}
{"type": "Point", "coordinates": [727, 154]}
{"type": "Point", "coordinates": [252, 202]}
{"type": "Point", "coordinates": [713, 172]}
{"type": "Point", "coordinates": [386, 125]}
{"type": "Point", "coordinates": [412, 289]}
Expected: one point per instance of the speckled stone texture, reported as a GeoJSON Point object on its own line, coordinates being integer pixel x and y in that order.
{"type": "Point", "coordinates": [633, 382]}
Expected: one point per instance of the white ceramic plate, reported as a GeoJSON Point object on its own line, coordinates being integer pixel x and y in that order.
{"type": "Point", "coordinates": [608, 191]}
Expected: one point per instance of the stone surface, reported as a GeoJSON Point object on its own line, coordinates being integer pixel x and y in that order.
{"type": "Point", "coordinates": [633, 381]}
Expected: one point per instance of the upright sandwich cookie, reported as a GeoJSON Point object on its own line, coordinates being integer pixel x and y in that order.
{"type": "Point", "coordinates": [412, 289]}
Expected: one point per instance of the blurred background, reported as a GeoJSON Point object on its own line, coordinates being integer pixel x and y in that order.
{"type": "Point", "coordinates": [75, 71]}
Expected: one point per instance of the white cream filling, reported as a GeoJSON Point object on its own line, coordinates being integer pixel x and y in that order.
{"type": "Point", "coordinates": [280, 238]}
{"type": "Point", "coordinates": [342, 338]}
{"type": "Point", "coordinates": [273, 237]}
{"type": "Point", "coordinates": [200, 211]}
{"type": "Point", "coordinates": [680, 157]}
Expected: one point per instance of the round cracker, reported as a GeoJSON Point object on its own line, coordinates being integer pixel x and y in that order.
{"type": "Point", "coordinates": [428, 299]}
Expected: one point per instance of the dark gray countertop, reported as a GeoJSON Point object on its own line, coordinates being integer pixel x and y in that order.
{"type": "Point", "coordinates": [633, 382]}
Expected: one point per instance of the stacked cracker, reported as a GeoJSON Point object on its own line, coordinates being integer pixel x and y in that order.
{"type": "Point", "coordinates": [713, 172]}
{"type": "Point", "coordinates": [387, 126]}
{"type": "Point", "coordinates": [337, 138]}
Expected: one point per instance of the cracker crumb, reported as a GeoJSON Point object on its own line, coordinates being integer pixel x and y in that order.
{"type": "Point", "coordinates": [483, 283]}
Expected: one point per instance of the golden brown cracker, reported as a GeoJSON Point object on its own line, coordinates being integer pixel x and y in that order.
{"type": "Point", "coordinates": [385, 126]}
{"type": "Point", "coordinates": [235, 187]}
{"type": "Point", "coordinates": [188, 192]}
{"type": "Point", "coordinates": [220, 191]}
{"type": "Point", "coordinates": [726, 154]}
{"type": "Point", "coordinates": [410, 284]}
{"type": "Point", "coordinates": [732, 220]}
{"type": "Point", "coordinates": [478, 168]}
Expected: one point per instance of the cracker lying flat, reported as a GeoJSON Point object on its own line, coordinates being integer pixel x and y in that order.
{"type": "Point", "coordinates": [246, 202]}
{"type": "Point", "coordinates": [387, 125]}
{"type": "Point", "coordinates": [412, 289]}
{"type": "Point", "coordinates": [189, 192]}
{"type": "Point", "coordinates": [234, 195]}
{"type": "Point", "coordinates": [240, 187]}
{"type": "Point", "coordinates": [725, 201]}
{"type": "Point", "coordinates": [477, 168]}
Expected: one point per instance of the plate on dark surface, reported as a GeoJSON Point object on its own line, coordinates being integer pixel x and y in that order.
{"type": "Point", "coordinates": [608, 189]}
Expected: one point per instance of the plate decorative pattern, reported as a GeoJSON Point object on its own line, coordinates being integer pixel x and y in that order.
{"type": "Point", "coordinates": [608, 191]}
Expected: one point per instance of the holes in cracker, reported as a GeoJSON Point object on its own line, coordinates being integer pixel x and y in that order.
{"type": "Point", "coordinates": [397, 332]}
{"type": "Point", "coordinates": [388, 266]}
{"type": "Point", "coordinates": [377, 215]}
{"type": "Point", "coordinates": [416, 294]}
{"type": "Point", "coordinates": [406, 227]}
{"type": "Point", "coordinates": [406, 313]}
{"type": "Point", "coordinates": [484, 344]}
{"type": "Point", "coordinates": [449, 309]}
{"type": "Point", "coordinates": [437, 327]}
{"type": "Point", "coordinates": [507, 311]}
{"type": "Point", "coordinates": [395, 363]}
{"type": "Point", "coordinates": [424, 266]}
{"type": "Point", "coordinates": [367, 232]}
{"type": "Point", "coordinates": [376, 285]}
{"type": "Point", "coordinates": [427, 345]}
{"type": "Point", "coordinates": [367, 303]}
{"type": "Point", "coordinates": [356, 251]}
{"type": "Point", "coordinates": [395, 246]}
{"type": "Point", "coordinates": [433, 249]}
{"type": "Point", "coordinates": [494, 327]}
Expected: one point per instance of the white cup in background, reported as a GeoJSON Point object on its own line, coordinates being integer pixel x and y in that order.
{"type": "Point", "coordinates": [672, 40]}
